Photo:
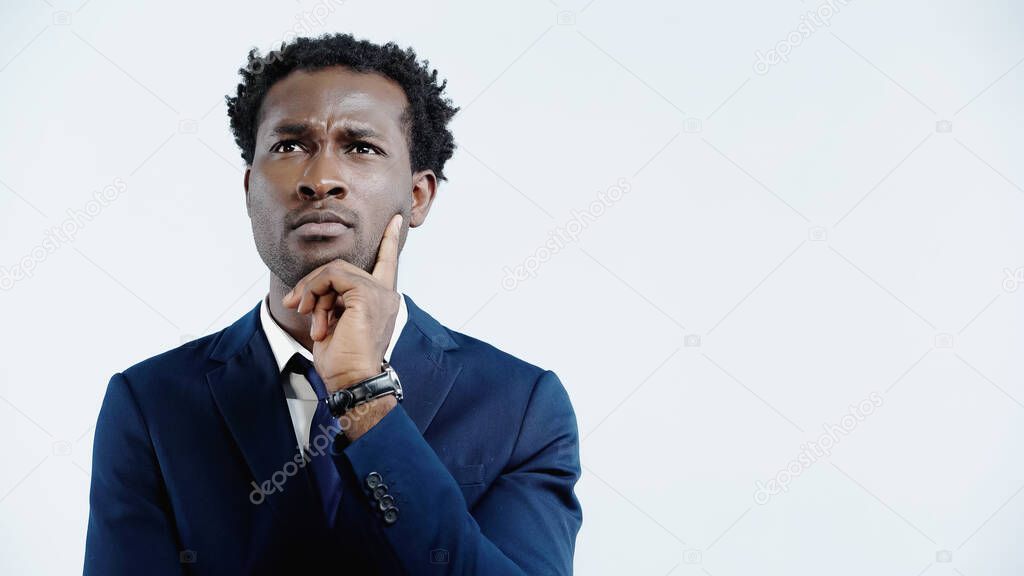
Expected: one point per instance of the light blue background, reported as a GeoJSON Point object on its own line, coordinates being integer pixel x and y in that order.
{"type": "Point", "coordinates": [820, 228]}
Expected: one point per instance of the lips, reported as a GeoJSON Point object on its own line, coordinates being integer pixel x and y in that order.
{"type": "Point", "coordinates": [321, 217]}
{"type": "Point", "coordinates": [321, 224]}
{"type": "Point", "coordinates": [322, 229]}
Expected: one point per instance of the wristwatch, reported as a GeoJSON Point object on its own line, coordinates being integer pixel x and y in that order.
{"type": "Point", "coordinates": [341, 401]}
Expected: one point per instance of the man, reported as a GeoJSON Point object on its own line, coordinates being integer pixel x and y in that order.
{"type": "Point", "coordinates": [335, 425]}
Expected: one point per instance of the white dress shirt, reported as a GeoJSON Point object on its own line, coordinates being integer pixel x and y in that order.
{"type": "Point", "coordinates": [297, 390]}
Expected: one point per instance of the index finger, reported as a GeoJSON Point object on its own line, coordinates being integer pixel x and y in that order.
{"type": "Point", "coordinates": [386, 268]}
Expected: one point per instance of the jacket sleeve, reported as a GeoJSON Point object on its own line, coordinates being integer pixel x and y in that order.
{"type": "Point", "coordinates": [527, 521]}
{"type": "Point", "coordinates": [131, 529]}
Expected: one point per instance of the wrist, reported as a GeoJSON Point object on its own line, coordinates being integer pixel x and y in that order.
{"type": "Point", "coordinates": [350, 378]}
{"type": "Point", "coordinates": [360, 419]}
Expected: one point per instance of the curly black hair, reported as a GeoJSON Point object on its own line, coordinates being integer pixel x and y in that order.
{"type": "Point", "coordinates": [425, 119]}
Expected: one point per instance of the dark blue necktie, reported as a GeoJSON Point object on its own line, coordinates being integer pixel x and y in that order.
{"type": "Point", "coordinates": [322, 431]}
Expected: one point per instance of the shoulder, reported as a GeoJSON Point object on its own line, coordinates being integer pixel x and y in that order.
{"type": "Point", "coordinates": [175, 362]}
{"type": "Point", "coordinates": [505, 392]}
{"type": "Point", "coordinates": [174, 379]}
{"type": "Point", "coordinates": [188, 363]}
{"type": "Point", "coordinates": [492, 375]}
{"type": "Point", "coordinates": [485, 368]}
{"type": "Point", "coordinates": [487, 357]}
{"type": "Point", "coordinates": [472, 353]}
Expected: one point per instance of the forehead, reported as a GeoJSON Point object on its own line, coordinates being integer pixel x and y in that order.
{"type": "Point", "coordinates": [328, 96]}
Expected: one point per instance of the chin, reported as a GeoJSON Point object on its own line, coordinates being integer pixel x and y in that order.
{"type": "Point", "coordinates": [314, 261]}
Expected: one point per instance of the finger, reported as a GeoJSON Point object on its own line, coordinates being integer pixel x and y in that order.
{"type": "Point", "coordinates": [338, 277]}
{"type": "Point", "coordinates": [321, 315]}
{"type": "Point", "coordinates": [386, 268]}
{"type": "Point", "coordinates": [292, 298]}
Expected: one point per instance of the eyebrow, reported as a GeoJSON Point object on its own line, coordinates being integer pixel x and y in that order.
{"type": "Point", "coordinates": [350, 130]}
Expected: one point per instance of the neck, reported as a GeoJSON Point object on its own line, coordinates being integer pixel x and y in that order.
{"type": "Point", "coordinates": [295, 324]}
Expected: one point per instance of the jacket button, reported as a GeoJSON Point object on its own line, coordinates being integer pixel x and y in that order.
{"type": "Point", "coordinates": [386, 501]}
{"type": "Point", "coordinates": [391, 515]}
{"type": "Point", "coordinates": [373, 480]}
{"type": "Point", "coordinates": [380, 491]}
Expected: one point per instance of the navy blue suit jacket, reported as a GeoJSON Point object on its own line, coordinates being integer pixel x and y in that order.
{"type": "Point", "coordinates": [191, 470]}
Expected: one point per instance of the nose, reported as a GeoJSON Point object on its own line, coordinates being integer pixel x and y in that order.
{"type": "Point", "coordinates": [321, 178]}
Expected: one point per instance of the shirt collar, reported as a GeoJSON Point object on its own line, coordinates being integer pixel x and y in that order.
{"type": "Point", "coordinates": [284, 346]}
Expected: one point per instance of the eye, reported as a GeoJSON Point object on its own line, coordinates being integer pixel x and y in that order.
{"type": "Point", "coordinates": [286, 146]}
{"type": "Point", "coordinates": [365, 146]}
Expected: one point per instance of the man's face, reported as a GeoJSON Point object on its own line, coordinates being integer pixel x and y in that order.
{"type": "Point", "coordinates": [331, 140]}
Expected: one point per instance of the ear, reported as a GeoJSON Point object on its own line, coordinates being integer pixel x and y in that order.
{"type": "Point", "coordinates": [424, 188]}
{"type": "Point", "coordinates": [245, 184]}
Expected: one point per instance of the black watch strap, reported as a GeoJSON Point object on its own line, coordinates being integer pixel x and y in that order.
{"type": "Point", "coordinates": [341, 401]}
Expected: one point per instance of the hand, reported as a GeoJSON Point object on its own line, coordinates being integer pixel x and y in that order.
{"type": "Point", "coordinates": [353, 313]}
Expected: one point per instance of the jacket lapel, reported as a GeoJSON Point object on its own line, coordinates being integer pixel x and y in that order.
{"type": "Point", "coordinates": [426, 371]}
{"type": "Point", "coordinates": [249, 394]}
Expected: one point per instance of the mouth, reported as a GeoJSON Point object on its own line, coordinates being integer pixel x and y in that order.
{"type": "Point", "coordinates": [323, 224]}
{"type": "Point", "coordinates": [314, 230]}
